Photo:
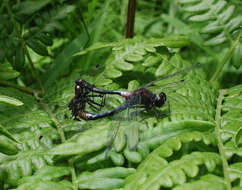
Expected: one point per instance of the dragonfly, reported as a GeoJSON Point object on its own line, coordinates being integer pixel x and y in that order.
{"type": "Point", "coordinates": [141, 98]}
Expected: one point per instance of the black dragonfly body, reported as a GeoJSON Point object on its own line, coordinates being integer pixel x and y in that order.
{"type": "Point", "coordinates": [140, 98]}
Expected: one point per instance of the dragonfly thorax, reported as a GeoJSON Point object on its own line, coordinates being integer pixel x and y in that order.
{"type": "Point", "coordinates": [160, 99]}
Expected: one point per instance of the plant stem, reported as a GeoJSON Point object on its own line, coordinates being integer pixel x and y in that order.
{"type": "Point", "coordinates": [24, 89]}
{"type": "Point", "coordinates": [220, 142]}
{"type": "Point", "coordinates": [130, 19]}
{"type": "Point", "coordinates": [225, 59]}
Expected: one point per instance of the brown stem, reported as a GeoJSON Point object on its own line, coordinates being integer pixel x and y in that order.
{"type": "Point", "coordinates": [130, 19]}
{"type": "Point", "coordinates": [24, 89]}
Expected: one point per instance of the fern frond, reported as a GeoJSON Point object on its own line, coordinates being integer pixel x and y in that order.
{"type": "Point", "coordinates": [228, 126]}
{"type": "Point", "coordinates": [7, 146]}
{"type": "Point", "coordinates": [89, 141]}
{"type": "Point", "coordinates": [157, 163]}
{"type": "Point", "coordinates": [208, 181]}
{"type": "Point", "coordinates": [232, 121]}
{"type": "Point", "coordinates": [127, 53]}
{"type": "Point", "coordinates": [108, 178]}
{"type": "Point", "coordinates": [175, 172]}
{"type": "Point", "coordinates": [219, 17]}
{"type": "Point", "coordinates": [46, 184]}
{"type": "Point", "coordinates": [46, 173]}
{"type": "Point", "coordinates": [235, 172]}
{"type": "Point", "coordinates": [31, 156]}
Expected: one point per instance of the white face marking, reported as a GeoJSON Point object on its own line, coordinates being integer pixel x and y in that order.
{"type": "Point", "coordinates": [125, 93]}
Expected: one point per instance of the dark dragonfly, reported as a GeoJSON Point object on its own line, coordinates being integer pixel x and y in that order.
{"type": "Point", "coordinates": [140, 98]}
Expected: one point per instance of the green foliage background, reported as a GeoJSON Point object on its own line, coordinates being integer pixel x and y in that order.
{"type": "Point", "coordinates": [44, 48]}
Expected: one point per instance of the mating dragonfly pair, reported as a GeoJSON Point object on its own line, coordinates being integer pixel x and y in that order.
{"type": "Point", "coordinates": [140, 98]}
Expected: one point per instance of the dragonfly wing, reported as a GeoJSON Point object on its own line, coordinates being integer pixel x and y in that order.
{"type": "Point", "coordinates": [112, 134]}
{"type": "Point", "coordinates": [183, 71]}
{"type": "Point", "coordinates": [168, 87]}
{"type": "Point", "coordinates": [132, 134]}
{"type": "Point", "coordinates": [118, 133]}
{"type": "Point", "coordinates": [116, 136]}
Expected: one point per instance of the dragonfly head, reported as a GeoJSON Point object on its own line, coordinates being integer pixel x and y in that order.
{"type": "Point", "coordinates": [77, 90]}
{"type": "Point", "coordinates": [160, 99]}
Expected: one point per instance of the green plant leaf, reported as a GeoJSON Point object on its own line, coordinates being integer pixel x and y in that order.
{"type": "Point", "coordinates": [205, 182]}
{"type": "Point", "coordinates": [175, 172]}
{"type": "Point", "coordinates": [47, 173]}
{"type": "Point", "coordinates": [7, 72]}
{"type": "Point", "coordinates": [10, 100]}
{"type": "Point", "coordinates": [4, 132]}
{"type": "Point", "coordinates": [235, 171]}
{"type": "Point", "coordinates": [78, 145]}
{"type": "Point", "coordinates": [155, 162]}
{"type": "Point", "coordinates": [108, 178]}
{"type": "Point", "coordinates": [231, 121]}
{"type": "Point", "coordinates": [46, 185]}
{"type": "Point", "coordinates": [29, 7]}
{"type": "Point", "coordinates": [7, 146]}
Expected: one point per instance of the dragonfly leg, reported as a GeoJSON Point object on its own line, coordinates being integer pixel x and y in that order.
{"type": "Point", "coordinates": [155, 112]}
{"type": "Point", "coordinates": [94, 104]}
{"type": "Point", "coordinates": [103, 100]}
{"type": "Point", "coordinates": [92, 96]}
{"type": "Point", "coordinates": [91, 99]}
{"type": "Point", "coordinates": [76, 119]}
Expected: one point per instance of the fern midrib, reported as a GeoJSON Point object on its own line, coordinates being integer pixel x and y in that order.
{"type": "Point", "coordinates": [219, 139]}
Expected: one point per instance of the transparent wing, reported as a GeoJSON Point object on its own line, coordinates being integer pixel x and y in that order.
{"type": "Point", "coordinates": [183, 71]}
{"type": "Point", "coordinates": [168, 87]}
{"type": "Point", "coordinates": [112, 134]}
{"type": "Point", "coordinates": [122, 130]}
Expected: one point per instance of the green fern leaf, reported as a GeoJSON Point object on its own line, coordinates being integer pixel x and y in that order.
{"type": "Point", "coordinates": [175, 172]}
{"type": "Point", "coordinates": [10, 100]}
{"type": "Point", "coordinates": [235, 172]}
{"type": "Point", "coordinates": [31, 157]}
{"type": "Point", "coordinates": [84, 143]}
{"type": "Point", "coordinates": [46, 185]}
{"type": "Point", "coordinates": [208, 181]}
{"type": "Point", "coordinates": [108, 178]}
{"type": "Point", "coordinates": [220, 17]}
{"type": "Point", "coordinates": [7, 72]}
{"type": "Point", "coordinates": [128, 52]}
{"type": "Point", "coordinates": [156, 161]}
{"type": "Point", "coordinates": [232, 121]}
{"type": "Point", "coordinates": [7, 146]}
{"type": "Point", "coordinates": [46, 173]}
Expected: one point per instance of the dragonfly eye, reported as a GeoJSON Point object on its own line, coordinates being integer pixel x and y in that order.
{"type": "Point", "coordinates": [78, 81]}
{"type": "Point", "coordinates": [77, 90]}
{"type": "Point", "coordinates": [160, 100]}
